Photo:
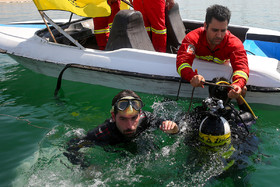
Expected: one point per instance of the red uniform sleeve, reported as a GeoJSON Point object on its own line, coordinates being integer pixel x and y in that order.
{"type": "Point", "coordinates": [185, 57]}
{"type": "Point", "coordinates": [239, 63]}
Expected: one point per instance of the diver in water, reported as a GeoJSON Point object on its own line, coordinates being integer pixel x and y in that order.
{"type": "Point", "coordinates": [216, 127]}
{"type": "Point", "coordinates": [127, 122]}
{"type": "Point", "coordinates": [217, 116]}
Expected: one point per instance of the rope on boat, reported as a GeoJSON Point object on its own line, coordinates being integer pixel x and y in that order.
{"type": "Point", "coordinates": [59, 79]}
{"type": "Point", "coordinates": [178, 92]}
{"type": "Point", "coordinates": [191, 100]}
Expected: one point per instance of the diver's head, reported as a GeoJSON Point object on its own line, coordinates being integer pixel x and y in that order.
{"type": "Point", "coordinates": [214, 131]}
{"type": "Point", "coordinates": [218, 91]}
{"type": "Point", "coordinates": [126, 101]}
{"type": "Point", "coordinates": [126, 108]}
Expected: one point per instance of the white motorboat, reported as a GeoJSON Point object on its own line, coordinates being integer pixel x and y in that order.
{"type": "Point", "coordinates": [130, 61]}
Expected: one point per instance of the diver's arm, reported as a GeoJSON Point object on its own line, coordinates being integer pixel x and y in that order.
{"type": "Point", "coordinates": [73, 154]}
{"type": "Point", "coordinates": [167, 126]}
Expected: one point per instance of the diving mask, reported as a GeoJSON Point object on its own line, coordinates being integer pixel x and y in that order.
{"type": "Point", "coordinates": [125, 102]}
{"type": "Point", "coordinates": [128, 101]}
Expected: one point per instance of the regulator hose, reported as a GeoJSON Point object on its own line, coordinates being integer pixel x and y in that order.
{"type": "Point", "coordinates": [227, 84]}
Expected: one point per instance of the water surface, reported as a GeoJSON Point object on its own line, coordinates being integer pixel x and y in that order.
{"type": "Point", "coordinates": [35, 126]}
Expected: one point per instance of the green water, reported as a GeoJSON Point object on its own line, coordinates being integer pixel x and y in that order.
{"type": "Point", "coordinates": [35, 126]}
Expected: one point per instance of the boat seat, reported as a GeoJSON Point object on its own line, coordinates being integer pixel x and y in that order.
{"type": "Point", "coordinates": [128, 31]}
{"type": "Point", "coordinates": [239, 32]}
{"type": "Point", "coordinates": [176, 30]}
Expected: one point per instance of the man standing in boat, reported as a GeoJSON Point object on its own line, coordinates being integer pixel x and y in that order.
{"type": "Point", "coordinates": [215, 43]}
{"type": "Point", "coordinates": [127, 122]}
{"type": "Point", "coordinates": [153, 12]}
{"type": "Point", "coordinates": [102, 25]}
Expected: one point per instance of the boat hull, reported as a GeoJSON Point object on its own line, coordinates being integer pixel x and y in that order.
{"type": "Point", "coordinates": [167, 86]}
{"type": "Point", "coordinates": [128, 68]}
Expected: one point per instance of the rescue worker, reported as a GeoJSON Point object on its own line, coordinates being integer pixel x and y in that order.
{"type": "Point", "coordinates": [214, 43]}
{"type": "Point", "coordinates": [154, 18]}
{"type": "Point", "coordinates": [102, 25]}
{"type": "Point", "coordinates": [126, 123]}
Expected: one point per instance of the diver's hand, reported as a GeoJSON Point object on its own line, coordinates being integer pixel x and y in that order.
{"type": "Point", "coordinates": [197, 81]}
{"type": "Point", "coordinates": [235, 92]}
{"type": "Point", "coordinates": [169, 127]}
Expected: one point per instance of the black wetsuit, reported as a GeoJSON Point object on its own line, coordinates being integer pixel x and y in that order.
{"type": "Point", "coordinates": [239, 121]}
{"type": "Point", "coordinates": [241, 140]}
{"type": "Point", "coordinates": [237, 118]}
{"type": "Point", "coordinates": [108, 134]}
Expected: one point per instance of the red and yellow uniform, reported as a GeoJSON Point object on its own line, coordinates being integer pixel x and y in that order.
{"type": "Point", "coordinates": [230, 49]}
{"type": "Point", "coordinates": [102, 25]}
{"type": "Point", "coordinates": [153, 12]}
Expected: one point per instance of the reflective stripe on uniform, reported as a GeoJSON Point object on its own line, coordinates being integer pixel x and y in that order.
{"type": "Point", "coordinates": [110, 25]}
{"type": "Point", "coordinates": [241, 74]}
{"type": "Point", "coordinates": [101, 31]}
{"type": "Point", "coordinates": [158, 31]}
{"type": "Point", "coordinates": [211, 58]}
{"type": "Point", "coordinates": [182, 66]}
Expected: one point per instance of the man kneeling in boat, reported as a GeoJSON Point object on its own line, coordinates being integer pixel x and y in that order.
{"type": "Point", "coordinates": [126, 123]}
{"type": "Point", "coordinates": [214, 43]}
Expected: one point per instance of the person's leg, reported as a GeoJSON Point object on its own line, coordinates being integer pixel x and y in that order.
{"type": "Point", "coordinates": [155, 11]}
{"type": "Point", "coordinates": [115, 8]}
{"type": "Point", "coordinates": [139, 6]}
{"type": "Point", "coordinates": [101, 31]}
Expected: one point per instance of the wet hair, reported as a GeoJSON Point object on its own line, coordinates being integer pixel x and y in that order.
{"type": "Point", "coordinates": [219, 92]}
{"type": "Point", "coordinates": [121, 94]}
{"type": "Point", "coordinates": [219, 12]}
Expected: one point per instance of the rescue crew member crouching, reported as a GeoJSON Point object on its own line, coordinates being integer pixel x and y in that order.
{"type": "Point", "coordinates": [214, 43]}
{"type": "Point", "coordinates": [126, 123]}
